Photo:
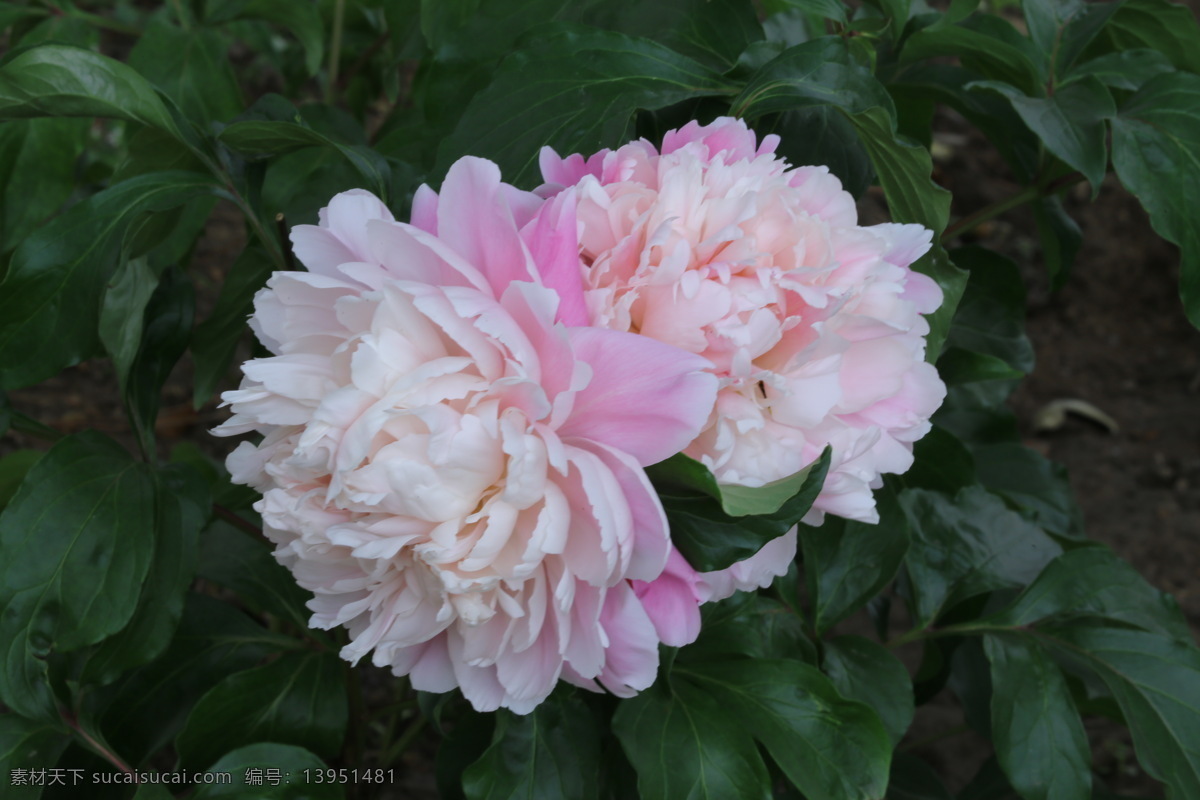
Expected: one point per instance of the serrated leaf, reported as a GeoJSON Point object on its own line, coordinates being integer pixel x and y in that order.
{"type": "Point", "coordinates": [573, 89]}
{"type": "Point", "coordinates": [711, 540]}
{"type": "Point", "coordinates": [552, 752]}
{"type": "Point", "coordinates": [290, 761]}
{"type": "Point", "coordinates": [49, 312]}
{"type": "Point", "coordinates": [245, 565]}
{"type": "Point", "coordinates": [830, 748]}
{"type": "Point", "coordinates": [1040, 741]}
{"type": "Point", "coordinates": [78, 540]}
{"type": "Point", "coordinates": [192, 68]}
{"type": "Point", "coordinates": [1070, 123]}
{"type": "Point", "coordinates": [145, 708]}
{"type": "Point", "coordinates": [24, 746]}
{"type": "Point", "coordinates": [1093, 582]}
{"type": "Point", "coordinates": [848, 562]}
{"type": "Point", "coordinates": [966, 545]}
{"type": "Point", "coordinates": [681, 745]}
{"type": "Point", "coordinates": [1156, 682]}
{"type": "Point", "coordinates": [56, 80]}
{"type": "Point", "coordinates": [865, 671]}
{"type": "Point", "coordinates": [298, 699]}
{"type": "Point", "coordinates": [214, 341]}
{"type": "Point", "coordinates": [1156, 153]}
{"type": "Point", "coordinates": [181, 508]}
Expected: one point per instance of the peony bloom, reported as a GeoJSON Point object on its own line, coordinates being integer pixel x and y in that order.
{"type": "Point", "coordinates": [812, 322]}
{"type": "Point", "coordinates": [450, 463]}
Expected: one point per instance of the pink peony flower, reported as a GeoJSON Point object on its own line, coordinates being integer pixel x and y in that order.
{"type": "Point", "coordinates": [448, 464]}
{"type": "Point", "coordinates": [812, 322]}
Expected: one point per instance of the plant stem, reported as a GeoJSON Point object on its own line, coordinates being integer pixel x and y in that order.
{"type": "Point", "coordinates": [236, 521]}
{"type": "Point", "coordinates": [965, 629]}
{"type": "Point", "coordinates": [335, 49]}
{"type": "Point", "coordinates": [1026, 195]}
{"type": "Point", "coordinates": [102, 751]}
{"type": "Point", "coordinates": [406, 738]}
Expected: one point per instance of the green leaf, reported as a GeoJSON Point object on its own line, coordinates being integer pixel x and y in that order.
{"type": "Point", "coordinates": [57, 80]}
{"type": "Point", "coordinates": [1040, 741]}
{"type": "Point", "coordinates": [714, 32]}
{"type": "Point", "coordinates": [986, 44]}
{"type": "Point", "coordinates": [258, 771]}
{"type": "Point", "coordinates": [78, 540]}
{"type": "Point", "coordinates": [121, 313]}
{"type": "Point", "coordinates": [1156, 682]}
{"type": "Point", "coordinates": [552, 752]}
{"type": "Point", "coordinates": [913, 779]}
{"type": "Point", "coordinates": [822, 135]}
{"type": "Point", "coordinates": [1127, 69]}
{"type": "Point", "coordinates": [214, 341]}
{"type": "Point", "coordinates": [711, 540]}
{"type": "Point", "coordinates": [302, 19]}
{"type": "Point", "coordinates": [1061, 239]}
{"type": "Point", "coordinates": [847, 562]}
{"type": "Point", "coordinates": [1045, 18]}
{"type": "Point", "coordinates": [26, 745]}
{"type": "Point", "coordinates": [297, 699]}
{"type": "Point", "coordinates": [957, 366]}
{"type": "Point", "coordinates": [573, 89]}
{"type": "Point", "coordinates": [1071, 122]}
{"type": "Point", "coordinates": [679, 740]}
{"type": "Point", "coordinates": [1156, 153]}
{"type": "Point", "coordinates": [865, 671]}
{"type": "Point", "coordinates": [13, 468]}
{"type": "Point", "coordinates": [1037, 486]}
{"type": "Point", "coordinates": [181, 508]}
{"type": "Point", "coordinates": [1091, 582]}
{"type": "Point", "coordinates": [967, 545]}
{"type": "Point", "coordinates": [245, 565]}
{"type": "Point", "coordinates": [991, 315]}
{"type": "Point", "coordinates": [1086, 23]}
{"type": "Point", "coordinates": [737, 501]}
{"type": "Point", "coordinates": [145, 708]}
{"type": "Point", "coordinates": [49, 309]}
{"type": "Point", "coordinates": [192, 68]}
{"type": "Point", "coordinates": [830, 748]}
{"type": "Point", "coordinates": [751, 625]}
{"type": "Point", "coordinates": [37, 172]}
{"type": "Point", "coordinates": [1158, 25]}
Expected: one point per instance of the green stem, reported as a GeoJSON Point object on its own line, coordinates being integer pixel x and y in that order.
{"type": "Point", "coordinates": [335, 49]}
{"type": "Point", "coordinates": [965, 629]}
{"type": "Point", "coordinates": [410, 733]}
{"type": "Point", "coordinates": [1026, 195]}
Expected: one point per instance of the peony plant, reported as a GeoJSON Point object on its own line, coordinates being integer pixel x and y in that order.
{"type": "Point", "coordinates": [612, 419]}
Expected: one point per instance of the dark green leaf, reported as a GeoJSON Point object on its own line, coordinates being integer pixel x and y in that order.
{"type": "Point", "coordinates": [260, 760]}
{"type": "Point", "coordinates": [245, 565]}
{"type": "Point", "coordinates": [13, 468]}
{"type": "Point", "coordinates": [1093, 582]}
{"type": "Point", "coordinates": [1045, 18]}
{"type": "Point", "coordinates": [1156, 153]}
{"type": "Point", "coordinates": [214, 340]}
{"type": "Point", "coordinates": [711, 540]}
{"type": "Point", "coordinates": [737, 501]}
{"type": "Point", "coordinates": [78, 540]}
{"type": "Point", "coordinates": [823, 135]}
{"type": "Point", "coordinates": [958, 366]}
{"type": "Point", "coordinates": [1085, 24]}
{"type": "Point", "coordinates": [297, 699]}
{"type": "Point", "coordinates": [573, 89]}
{"type": "Point", "coordinates": [1071, 122]}
{"type": "Point", "coordinates": [967, 545]}
{"type": "Point", "coordinates": [181, 508]}
{"type": "Point", "coordinates": [1036, 486]}
{"type": "Point", "coordinates": [830, 748]}
{"type": "Point", "coordinates": [986, 44]}
{"type": "Point", "coordinates": [12, 12]}
{"type": "Point", "coordinates": [302, 19]}
{"type": "Point", "coordinates": [145, 708]}
{"type": "Point", "coordinates": [1156, 682]}
{"type": "Point", "coordinates": [913, 779]}
{"type": "Point", "coordinates": [37, 172]}
{"type": "Point", "coordinates": [681, 744]}
{"type": "Point", "coordinates": [60, 81]}
{"type": "Point", "coordinates": [192, 68]}
{"type": "Point", "coordinates": [991, 314]}
{"type": "Point", "coordinates": [24, 746]}
{"type": "Point", "coordinates": [49, 308]}
{"type": "Point", "coordinates": [867, 672]}
{"type": "Point", "coordinates": [1127, 69]}
{"type": "Point", "coordinates": [714, 32]}
{"type": "Point", "coordinates": [1040, 741]}
{"type": "Point", "coordinates": [121, 313]}
{"type": "Point", "coordinates": [1061, 239]}
{"type": "Point", "coordinates": [750, 625]}
{"type": "Point", "coordinates": [1160, 25]}
{"type": "Point", "coordinates": [848, 562]}
{"type": "Point", "coordinates": [552, 752]}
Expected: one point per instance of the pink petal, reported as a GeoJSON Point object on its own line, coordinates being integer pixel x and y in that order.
{"type": "Point", "coordinates": [553, 241]}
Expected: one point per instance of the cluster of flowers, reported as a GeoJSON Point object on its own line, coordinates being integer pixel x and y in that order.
{"type": "Point", "coordinates": [459, 409]}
